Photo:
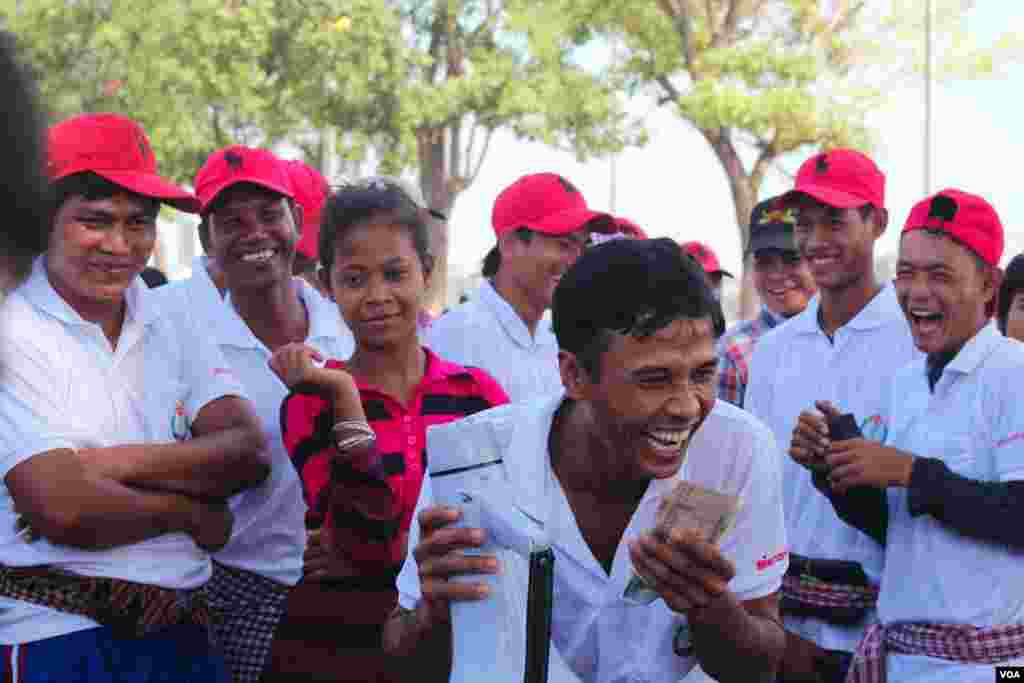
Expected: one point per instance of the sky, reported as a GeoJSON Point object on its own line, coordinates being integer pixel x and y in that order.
{"type": "Point", "coordinates": [674, 186]}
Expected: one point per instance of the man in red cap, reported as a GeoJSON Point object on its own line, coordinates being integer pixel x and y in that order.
{"type": "Point", "coordinates": [708, 260]}
{"type": "Point", "coordinates": [256, 215]}
{"type": "Point", "coordinates": [945, 493]}
{"type": "Point", "coordinates": [542, 223]}
{"type": "Point", "coordinates": [852, 330]}
{"type": "Point", "coordinates": [311, 191]}
{"type": "Point", "coordinates": [124, 434]}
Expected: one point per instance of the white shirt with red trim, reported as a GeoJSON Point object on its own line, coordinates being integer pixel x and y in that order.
{"type": "Point", "coordinates": [603, 637]}
{"type": "Point", "coordinates": [974, 423]}
{"type": "Point", "coordinates": [64, 386]}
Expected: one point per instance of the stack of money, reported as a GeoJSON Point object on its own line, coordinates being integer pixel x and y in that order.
{"type": "Point", "coordinates": [688, 506]}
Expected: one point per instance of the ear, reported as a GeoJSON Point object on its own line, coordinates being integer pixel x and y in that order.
{"type": "Point", "coordinates": [992, 283]}
{"type": "Point", "coordinates": [575, 378]}
{"type": "Point", "coordinates": [881, 221]}
{"type": "Point", "coordinates": [324, 275]}
{"type": "Point", "coordinates": [298, 215]}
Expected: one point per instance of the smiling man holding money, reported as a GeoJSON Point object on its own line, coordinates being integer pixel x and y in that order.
{"type": "Point", "coordinates": [662, 506]}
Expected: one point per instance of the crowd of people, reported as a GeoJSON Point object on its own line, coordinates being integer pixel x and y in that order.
{"type": "Point", "coordinates": [179, 459]}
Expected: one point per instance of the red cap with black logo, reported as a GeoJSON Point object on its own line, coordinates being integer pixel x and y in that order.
{"type": "Point", "coordinates": [841, 178]}
{"type": "Point", "coordinates": [546, 203]}
{"type": "Point", "coordinates": [311, 190]}
{"type": "Point", "coordinates": [707, 258]}
{"type": "Point", "coordinates": [237, 164]}
{"type": "Point", "coordinates": [967, 218]}
{"type": "Point", "coordinates": [113, 147]}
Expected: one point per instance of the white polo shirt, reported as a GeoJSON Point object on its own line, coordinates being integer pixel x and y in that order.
{"type": "Point", "coordinates": [487, 333]}
{"type": "Point", "coordinates": [269, 536]}
{"type": "Point", "coordinates": [603, 637]}
{"type": "Point", "coordinates": [193, 294]}
{"type": "Point", "coordinates": [63, 386]}
{"type": "Point", "coordinates": [974, 422]}
{"type": "Point", "coordinates": [795, 365]}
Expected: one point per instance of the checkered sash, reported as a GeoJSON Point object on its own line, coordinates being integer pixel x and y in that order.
{"type": "Point", "coordinates": [130, 609]}
{"type": "Point", "coordinates": [809, 591]}
{"type": "Point", "coordinates": [953, 642]}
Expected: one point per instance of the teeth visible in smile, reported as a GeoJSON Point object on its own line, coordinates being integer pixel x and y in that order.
{"type": "Point", "coordinates": [925, 316]}
{"type": "Point", "coordinates": [669, 439]}
{"type": "Point", "coordinates": [257, 256]}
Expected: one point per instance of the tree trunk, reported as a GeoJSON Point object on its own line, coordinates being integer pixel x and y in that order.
{"type": "Point", "coordinates": [744, 197]}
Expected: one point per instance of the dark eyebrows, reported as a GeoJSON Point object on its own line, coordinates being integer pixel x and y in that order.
{"type": "Point", "coordinates": [933, 267]}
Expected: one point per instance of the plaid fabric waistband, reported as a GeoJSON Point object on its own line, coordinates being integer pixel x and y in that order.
{"type": "Point", "coordinates": [130, 609]}
{"type": "Point", "coordinates": [815, 593]}
{"type": "Point", "coordinates": [953, 642]}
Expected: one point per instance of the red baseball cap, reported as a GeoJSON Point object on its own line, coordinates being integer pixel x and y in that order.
{"type": "Point", "coordinates": [966, 217]}
{"type": "Point", "coordinates": [547, 203]}
{"type": "Point", "coordinates": [628, 227]}
{"type": "Point", "coordinates": [238, 164]}
{"type": "Point", "coordinates": [843, 178]}
{"type": "Point", "coordinates": [705, 256]}
{"type": "Point", "coordinates": [113, 147]}
{"type": "Point", "coordinates": [311, 190]}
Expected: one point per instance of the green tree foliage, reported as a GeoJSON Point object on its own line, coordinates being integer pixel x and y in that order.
{"type": "Point", "coordinates": [763, 78]}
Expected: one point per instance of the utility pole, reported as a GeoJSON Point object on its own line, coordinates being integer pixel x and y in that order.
{"type": "Point", "coordinates": [927, 97]}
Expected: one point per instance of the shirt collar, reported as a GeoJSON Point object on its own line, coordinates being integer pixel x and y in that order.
{"type": "Point", "coordinates": [878, 312]}
{"type": "Point", "coordinates": [510, 321]}
{"type": "Point", "coordinates": [324, 319]}
{"type": "Point", "coordinates": [976, 350]}
{"type": "Point", "coordinates": [142, 309]}
{"type": "Point", "coordinates": [438, 371]}
{"type": "Point", "coordinates": [769, 319]}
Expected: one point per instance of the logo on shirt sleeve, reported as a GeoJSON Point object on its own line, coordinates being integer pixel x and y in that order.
{"type": "Point", "coordinates": [875, 428]}
{"type": "Point", "coordinates": [767, 561]}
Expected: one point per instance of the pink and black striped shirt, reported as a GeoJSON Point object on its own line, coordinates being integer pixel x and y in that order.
{"type": "Point", "coordinates": [366, 502]}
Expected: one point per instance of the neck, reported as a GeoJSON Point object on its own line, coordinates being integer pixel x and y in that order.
{"type": "Point", "coordinates": [840, 306]}
{"type": "Point", "coordinates": [108, 315]}
{"type": "Point", "coordinates": [943, 358]}
{"type": "Point", "coordinates": [397, 369]}
{"type": "Point", "coordinates": [275, 313]}
{"type": "Point", "coordinates": [216, 275]}
{"type": "Point", "coordinates": [519, 300]}
{"type": "Point", "coordinates": [585, 463]}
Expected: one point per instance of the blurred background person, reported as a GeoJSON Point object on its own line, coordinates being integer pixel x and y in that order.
{"type": "Point", "coordinates": [783, 282]}
{"type": "Point", "coordinates": [708, 259]}
{"type": "Point", "coordinates": [1010, 313]}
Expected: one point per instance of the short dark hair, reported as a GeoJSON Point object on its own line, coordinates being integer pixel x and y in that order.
{"type": "Point", "coordinates": [351, 205]}
{"type": "Point", "coordinates": [92, 187]}
{"type": "Point", "coordinates": [1013, 282]}
{"type": "Point", "coordinates": [591, 302]}
{"type": "Point", "coordinates": [492, 262]}
{"type": "Point", "coordinates": [23, 185]}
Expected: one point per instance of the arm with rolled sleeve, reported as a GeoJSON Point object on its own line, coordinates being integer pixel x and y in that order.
{"type": "Point", "coordinates": [51, 487]}
{"type": "Point", "coordinates": [740, 637]}
{"type": "Point", "coordinates": [226, 452]}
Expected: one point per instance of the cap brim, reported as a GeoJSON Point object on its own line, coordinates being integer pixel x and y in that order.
{"type": "Point", "coordinates": [239, 180]}
{"type": "Point", "coordinates": [150, 185]}
{"type": "Point", "coordinates": [574, 220]}
{"type": "Point", "coordinates": [724, 273]}
{"type": "Point", "coordinates": [437, 214]}
{"type": "Point", "coordinates": [826, 195]}
{"type": "Point", "coordinates": [771, 238]}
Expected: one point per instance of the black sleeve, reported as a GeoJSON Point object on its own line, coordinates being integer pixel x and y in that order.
{"type": "Point", "coordinates": [988, 511]}
{"type": "Point", "coordinates": [863, 507]}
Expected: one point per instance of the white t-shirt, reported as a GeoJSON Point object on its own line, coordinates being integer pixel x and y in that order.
{"type": "Point", "coordinates": [974, 423]}
{"type": "Point", "coordinates": [602, 636]}
{"type": "Point", "coordinates": [64, 387]}
{"type": "Point", "coordinates": [486, 332]}
{"type": "Point", "coordinates": [269, 535]}
{"type": "Point", "coordinates": [795, 365]}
